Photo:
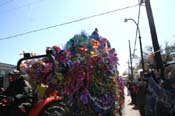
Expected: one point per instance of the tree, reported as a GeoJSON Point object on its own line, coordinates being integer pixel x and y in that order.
{"type": "Point", "coordinates": [125, 73]}
{"type": "Point", "coordinates": [167, 54]}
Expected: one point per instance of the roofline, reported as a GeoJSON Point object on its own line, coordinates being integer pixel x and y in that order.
{"type": "Point", "coordinates": [6, 65]}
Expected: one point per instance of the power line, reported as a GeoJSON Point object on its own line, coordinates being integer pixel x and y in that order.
{"type": "Point", "coordinates": [81, 19]}
{"type": "Point", "coordinates": [138, 19]}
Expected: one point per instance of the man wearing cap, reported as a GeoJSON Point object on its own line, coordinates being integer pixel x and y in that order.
{"type": "Point", "coordinates": [18, 94]}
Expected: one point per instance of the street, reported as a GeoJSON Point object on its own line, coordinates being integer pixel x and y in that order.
{"type": "Point", "coordinates": [128, 109]}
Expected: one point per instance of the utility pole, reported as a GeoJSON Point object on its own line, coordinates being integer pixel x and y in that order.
{"type": "Point", "coordinates": [157, 56]}
{"type": "Point", "coordinates": [130, 59]}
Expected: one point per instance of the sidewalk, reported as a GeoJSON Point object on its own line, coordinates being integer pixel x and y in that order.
{"type": "Point", "coordinates": [128, 109]}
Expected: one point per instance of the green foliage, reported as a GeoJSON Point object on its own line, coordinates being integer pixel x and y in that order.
{"type": "Point", "coordinates": [167, 54]}
{"type": "Point", "coordinates": [125, 73]}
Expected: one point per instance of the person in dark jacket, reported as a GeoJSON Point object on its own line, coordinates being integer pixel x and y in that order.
{"type": "Point", "coordinates": [95, 34]}
{"type": "Point", "coordinates": [18, 96]}
{"type": "Point", "coordinates": [163, 98]}
{"type": "Point", "coordinates": [141, 96]}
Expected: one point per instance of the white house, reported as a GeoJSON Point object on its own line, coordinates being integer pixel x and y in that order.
{"type": "Point", "coordinates": [4, 69]}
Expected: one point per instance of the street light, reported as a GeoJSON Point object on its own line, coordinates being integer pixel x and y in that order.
{"type": "Point", "coordinates": [138, 30]}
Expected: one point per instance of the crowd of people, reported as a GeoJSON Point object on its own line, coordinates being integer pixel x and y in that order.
{"type": "Point", "coordinates": [18, 94]}
{"type": "Point", "coordinates": [153, 95]}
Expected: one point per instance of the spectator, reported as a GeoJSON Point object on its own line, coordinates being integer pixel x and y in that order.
{"type": "Point", "coordinates": [141, 96]}
{"type": "Point", "coordinates": [162, 98]}
{"type": "Point", "coordinates": [18, 95]}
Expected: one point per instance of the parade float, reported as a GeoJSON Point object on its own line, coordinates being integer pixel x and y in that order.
{"type": "Point", "coordinates": [86, 76]}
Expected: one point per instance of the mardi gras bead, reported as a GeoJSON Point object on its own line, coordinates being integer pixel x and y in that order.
{"type": "Point", "coordinates": [84, 97]}
{"type": "Point", "coordinates": [83, 41]}
{"type": "Point", "coordinates": [101, 105]}
{"type": "Point", "coordinates": [56, 49]}
{"type": "Point", "coordinates": [60, 76]}
{"type": "Point", "coordinates": [87, 70]}
{"type": "Point", "coordinates": [40, 90]}
{"type": "Point", "coordinates": [92, 42]}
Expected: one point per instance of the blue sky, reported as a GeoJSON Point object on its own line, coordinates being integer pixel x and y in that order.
{"type": "Point", "coordinates": [19, 16]}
